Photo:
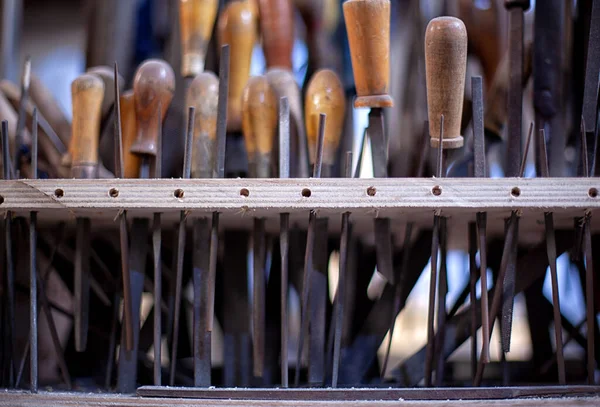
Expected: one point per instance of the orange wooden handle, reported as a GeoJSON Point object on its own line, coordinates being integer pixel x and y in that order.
{"type": "Point", "coordinates": [238, 28]}
{"type": "Point", "coordinates": [197, 19]}
{"type": "Point", "coordinates": [203, 94]}
{"type": "Point", "coordinates": [325, 94]}
{"type": "Point", "coordinates": [445, 66]}
{"type": "Point", "coordinates": [131, 162]}
{"type": "Point", "coordinates": [368, 27]}
{"type": "Point", "coordinates": [153, 87]}
{"type": "Point", "coordinates": [87, 94]}
{"type": "Point", "coordinates": [277, 29]}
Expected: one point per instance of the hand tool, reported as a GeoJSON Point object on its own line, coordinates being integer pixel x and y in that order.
{"type": "Point", "coordinates": [516, 10]}
{"type": "Point", "coordinates": [445, 65]}
{"type": "Point", "coordinates": [25, 81]}
{"type": "Point", "coordinates": [472, 294]}
{"type": "Point", "coordinates": [153, 89]}
{"type": "Point", "coordinates": [196, 21]}
{"type": "Point", "coordinates": [131, 162]}
{"type": "Point", "coordinates": [592, 69]}
{"type": "Point", "coordinates": [284, 238]}
{"type": "Point", "coordinates": [406, 249]}
{"type": "Point", "coordinates": [277, 29]}
{"type": "Point", "coordinates": [33, 308]}
{"type": "Point", "coordinates": [259, 123]}
{"type": "Point", "coordinates": [87, 93]}
{"type": "Point", "coordinates": [203, 94]}
{"type": "Point", "coordinates": [308, 256]}
{"type": "Point", "coordinates": [340, 293]}
{"type": "Point", "coordinates": [284, 84]}
{"type": "Point", "coordinates": [480, 170]}
{"type": "Point", "coordinates": [504, 287]}
{"type": "Point", "coordinates": [49, 108]}
{"type": "Point", "coordinates": [586, 247]}
{"type": "Point", "coordinates": [324, 95]}
{"type": "Point", "coordinates": [107, 75]}
{"type": "Point", "coordinates": [181, 239]}
{"type": "Point", "coordinates": [370, 19]}
{"type": "Point", "coordinates": [551, 252]}
{"type": "Point", "coordinates": [238, 27]}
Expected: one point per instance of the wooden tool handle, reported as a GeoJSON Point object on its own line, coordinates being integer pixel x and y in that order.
{"type": "Point", "coordinates": [87, 94]}
{"type": "Point", "coordinates": [445, 66]}
{"type": "Point", "coordinates": [131, 162]}
{"type": "Point", "coordinates": [238, 28]}
{"type": "Point", "coordinates": [325, 94]}
{"type": "Point", "coordinates": [368, 27]}
{"type": "Point", "coordinates": [153, 86]}
{"type": "Point", "coordinates": [277, 29]}
{"type": "Point", "coordinates": [107, 75]}
{"type": "Point", "coordinates": [197, 19]}
{"type": "Point", "coordinates": [203, 94]}
{"type": "Point", "coordinates": [259, 123]}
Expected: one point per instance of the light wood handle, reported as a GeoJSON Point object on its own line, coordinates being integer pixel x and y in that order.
{"type": "Point", "coordinates": [325, 94]}
{"type": "Point", "coordinates": [445, 66]}
{"type": "Point", "coordinates": [131, 162]}
{"type": "Point", "coordinates": [203, 94]}
{"type": "Point", "coordinates": [368, 27]}
{"type": "Point", "coordinates": [107, 74]}
{"type": "Point", "coordinates": [87, 93]}
{"type": "Point", "coordinates": [260, 119]}
{"type": "Point", "coordinates": [153, 86]}
{"type": "Point", "coordinates": [277, 29]}
{"type": "Point", "coordinates": [238, 27]}
{"type": "Point", "coordinates": [196, 20]}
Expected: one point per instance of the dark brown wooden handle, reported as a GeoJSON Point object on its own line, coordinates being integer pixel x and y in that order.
{"type": "Point", "coordinates": [203, 94]}
{"type": "Point", "coordinates": [445, 66]}
{"type": "Point", "coordinates": [277, 29]}
{"type": "Point", "coordinates": [368, 27]}
{"type": "Point", "coordinates": [153, 87]}
{"type": "Point", "coordinates": [87, 94]}
{"type": "Point", "coordinates": [196, 20]}
{"type": "Point", "coordinates": [325, 94]}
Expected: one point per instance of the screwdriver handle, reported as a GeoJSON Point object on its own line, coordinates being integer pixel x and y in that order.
{"type": "Point", "coordinates": [238, 27]}
{"type": "Point", "coordinates": [203, 95]}
{"type": "Point", "coordinates": [196, 21]}
{"type": "Point", "coordinates": [87, 93]}
{"type": "Point", "coordinates": [325, 94]}
{"type": "Point", "coordinates": [277, 29]}
{"type": "Point", "coordinates": [131, 162]}
{"type": "Point", "coordinates": [259, 124]}
{"type": "Point", "coordinates": [445, 66]}
{"type": "Point", "coordinates": [153, 86]}
{"type": "Point", "coordinates": [368, 27]}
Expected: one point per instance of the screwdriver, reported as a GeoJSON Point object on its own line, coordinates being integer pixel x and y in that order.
{"type": "Point", "coordinates": [203, 95]}
{"type": "Point", "coordinates": [259, 123]}
{"type": "Point", "coordinates": [445, 66]}
{"type": "Point", "coordinates": [87, 93]}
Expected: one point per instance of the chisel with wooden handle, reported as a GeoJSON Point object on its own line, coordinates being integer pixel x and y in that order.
{"type": "Point", "coordinates": [196, 22]}
{"type": "Point", "coordinates": [87, 93]}
{"type": "Point", "coordinates": [277, 30]}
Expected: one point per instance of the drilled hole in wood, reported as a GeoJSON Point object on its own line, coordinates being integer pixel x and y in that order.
{"type": "Point", "coordinates": [244, 192]}
{"type": "Point", "coordinates": [593, 193]}
{"type": "Point", "coordinates": [436, 190]}
{"type": "Point", "coordinates": [1, 200]}
{"type": "Point", "coordinates": [179, 193]}
{"type": "Point", "coordinates": [59, 193]}
{"type": "Point", "coordinates": [114, 192]}
{"type": "Point", "coordinates": [306, 193]}
{"type": "Point", "coordinates": [516, 192]}
{"type": "Point", "coordinates": [371, 191]}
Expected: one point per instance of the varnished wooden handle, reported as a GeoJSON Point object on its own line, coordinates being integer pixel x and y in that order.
{"type": "Point", "coordinates": [238, 27]}
{"type": "Point", "coordinates": [197, 19]}
{"type": "Point", "coordinates": [368, 27]}
{"type": "Point", "coordinates": [445, 65]}
{"type": "Point", "coordinates": [277, 29]}
{"type": "Point", "coordinates": [325, 94]}
{"type": "Point", "coordinates": [153, 86]}
{"type": "Point", "coordinates": [87, 94]}
{"type": "Point", "coordinates": [203, 94]}
{"type": "Point", "coordinates": [131, 162]}
{"type": "Point", "coordinates": [107, 75]}
{"type": "Point", "coordinates": [259, 123]}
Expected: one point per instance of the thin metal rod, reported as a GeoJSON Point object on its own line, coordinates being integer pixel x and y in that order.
{"type": "Point", "coordinates": [361, 153]}
{"type": "Point", "coordinates": [259, 290]}
{"type": "Point", "coordinates": [320, 146]}
{"type": "Point", "coordinates": [119, 170]}
{"type": "Point", "coordinates": [442, 294]}
{"type": "Point", "coordinates": [33, 323]}
{"type": "Point", "coordinates": [526, 151]}
{"type": "Point", "coordinates": [284, 238]}
{"type": "Point", "coordinates": [589, 297]}
{"type": "Point", "coordinates": [22, 114]}
{"type": "Point", "coordinates": [515, 90]}
{"type": "Point", "coordinates": [222, 112]}
{"type": "Point", "coordinates": [156, 251]}
{"type": "Point", "coordinates": [481, 220]}
{"type": "Point", "coordinates": [473, 294]}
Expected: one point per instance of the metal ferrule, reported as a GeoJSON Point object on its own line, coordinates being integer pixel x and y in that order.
{"type": "Point", "coordinates": [263, 165]}
{"type": "Point", "coordinates": [85, 171]}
